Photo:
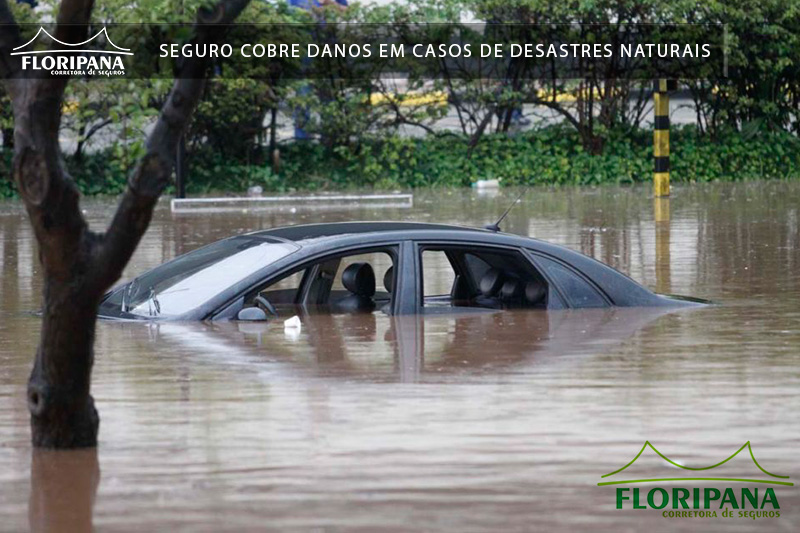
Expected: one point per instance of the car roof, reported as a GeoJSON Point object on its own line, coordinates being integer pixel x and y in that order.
{"type": "Point", "coordinates": [316, 231]}
{"type": "Point", "coordinates": [316, 238]}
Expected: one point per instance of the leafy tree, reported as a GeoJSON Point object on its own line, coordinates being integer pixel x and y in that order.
{"type": "Point", "coordinates": [761, 88]}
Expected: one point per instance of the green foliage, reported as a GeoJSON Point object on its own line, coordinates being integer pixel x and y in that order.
{"type": "Point", "coordinates": [762, 85]}
{"type": "Point", "coordinates": [747, 123]}
{"type": "Point", "coordinates": [548, 156]}
{"type": "Point", "coordinates": [230, 118]}
{"type": "Point", "coordinates": [7, 189]}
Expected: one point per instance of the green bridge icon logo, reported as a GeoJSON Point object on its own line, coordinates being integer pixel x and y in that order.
{"type": "Point", "coordinates": [772, 479]}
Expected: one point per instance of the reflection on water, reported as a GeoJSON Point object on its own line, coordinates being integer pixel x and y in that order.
{"type": "Point", "coordinates": [63, 489]}
{"type": "Point", "coordinates": [497, 421]}
{"type": "Point", "coordinates": [662, 223]}
{"type": "Point", "coordinates": [409, 349]}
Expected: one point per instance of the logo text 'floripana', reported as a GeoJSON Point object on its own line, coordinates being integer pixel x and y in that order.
{"type": "Point", "coordinates": [697, 498]}
{"type": "Point", "coordinates": [73, 65]}
{"type": "Point", "coordinates": [742, 501]}
{"type": "Point", "coordinates": [72, 59]}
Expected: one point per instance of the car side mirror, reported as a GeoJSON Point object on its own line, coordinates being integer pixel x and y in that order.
{"type": "Point", "coordinates": [252, 314]}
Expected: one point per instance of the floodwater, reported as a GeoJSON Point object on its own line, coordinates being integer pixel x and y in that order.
{"type": "Point", "coordinates": [498, 422]}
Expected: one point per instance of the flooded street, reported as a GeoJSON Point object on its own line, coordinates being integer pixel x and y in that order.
{"type": "Point", "coordinates": [490, 422]}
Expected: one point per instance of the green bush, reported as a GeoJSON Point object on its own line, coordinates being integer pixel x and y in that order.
{"type": "Point", "coordinates": [548, 156]}
{"type": "Point", "coordinates": [7, 189]}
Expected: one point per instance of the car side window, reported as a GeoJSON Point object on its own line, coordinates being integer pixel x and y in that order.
{"type": "Point", "coordinates": [285, 290]}
{"type": "Point", "coordinates": [482, 277]}
{"type": "Point", "coordinates": [578, 291]}
{"type": "Point", "coordinates": [360, 281]}
{"type": "Point", "coordinates": [438, 276]}
{"type": "Point", "coordinates": [381, 263]}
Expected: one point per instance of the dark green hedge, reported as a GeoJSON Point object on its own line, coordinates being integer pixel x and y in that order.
{"type": "Point", "coordinates": [547, 156]}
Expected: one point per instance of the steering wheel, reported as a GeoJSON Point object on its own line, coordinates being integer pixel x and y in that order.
{"type": "Point", "coordinates": [265, 304]}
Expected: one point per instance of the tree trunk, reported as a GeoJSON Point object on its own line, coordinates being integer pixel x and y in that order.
{"type": "Point", "coordinates": [80, 265]}
{"type": "Point", "coordinates": [274, 153]}
{"type": "Point", "coordinates": [62, 409]}
{"type": "Point", "coordinates": [78, 155]}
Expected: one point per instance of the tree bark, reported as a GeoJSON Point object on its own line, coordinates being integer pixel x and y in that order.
{"type": "Point", "coordinates": [78, 264]}
{"type": "Point", "coordinates": [59, 400]}
{"type": "Point", "coordinates": [8, 138]}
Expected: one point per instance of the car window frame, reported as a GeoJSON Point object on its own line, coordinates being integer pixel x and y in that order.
{"type": "Point", "coordinates": [311, 265]}
{"type": "Point", "coordinates": [455, 265]}
{"type": "Point", "coordinates": [421, 244]}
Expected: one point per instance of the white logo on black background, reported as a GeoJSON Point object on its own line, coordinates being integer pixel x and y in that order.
{"type": "Point", "coordinates": [74, 59]}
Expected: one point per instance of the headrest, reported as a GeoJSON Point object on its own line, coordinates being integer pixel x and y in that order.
{"type": "Point", "coordinates": [534, 291]}
{"type": "Point", "coordinates": [359, 278]}
{"type": "Point", "coordinates": [491, 282]}
{"type": "Point", "coordinates": [388, 279]}
{"type": "Point", "coordinates": [511, 289]}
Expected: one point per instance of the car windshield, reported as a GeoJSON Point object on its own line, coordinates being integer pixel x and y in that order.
{"type": "Point", "coordinates": [192, 279]}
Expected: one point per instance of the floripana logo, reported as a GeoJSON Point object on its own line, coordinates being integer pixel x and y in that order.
{"type": "Point", "coordinates": [73, 59]}
{"type": "Point", "coordinates": [734, 494]}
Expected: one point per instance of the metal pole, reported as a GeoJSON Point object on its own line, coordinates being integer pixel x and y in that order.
{"type": "Point", "coordinates": [274, 153]}
{"type": "Point", "coordinates": [661, 138]}
{"type": "Point", "coordinates": [180, 169]}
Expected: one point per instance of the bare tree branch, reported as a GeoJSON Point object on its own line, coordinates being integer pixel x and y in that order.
{"type": "Point", "coordinates": [9, 39]}
{"type": "Point", "coordinates": [476, 136]}
{"type": "Point", "coordinates": [153, 172]}
{"type": "Point", "coordinates": [73, 16]}
{"type": "Point", "coordinates": [48, 192]}
{"type": "Point", "coordinates": [49, 196]}
{"type": "Point", "coordinates": [71, 26]}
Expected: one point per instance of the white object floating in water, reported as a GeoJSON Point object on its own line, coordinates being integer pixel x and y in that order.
{"type": "Point", "coordinates": [292, 327]}
{"type": "Point", "coordinates": [487, 184]}
{"type": "Point", "coordinates": [316, 202]}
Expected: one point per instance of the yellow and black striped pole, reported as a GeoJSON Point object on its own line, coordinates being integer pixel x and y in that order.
{"type": "Point", "coordinates": [661, 137]}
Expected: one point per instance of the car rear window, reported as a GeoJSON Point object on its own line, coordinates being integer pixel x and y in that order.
{"type": "Point", "coordinates": [577, 290]}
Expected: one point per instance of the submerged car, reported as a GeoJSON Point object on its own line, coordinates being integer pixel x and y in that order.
{"type": "Point", "coordinates": [355, 267]}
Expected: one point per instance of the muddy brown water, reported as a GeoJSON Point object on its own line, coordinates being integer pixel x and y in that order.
{"type": "Point", "coordinates": [501, 422]}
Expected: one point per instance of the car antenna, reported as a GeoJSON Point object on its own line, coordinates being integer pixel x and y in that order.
{"type": "Point", "coordinates": [496, 226]}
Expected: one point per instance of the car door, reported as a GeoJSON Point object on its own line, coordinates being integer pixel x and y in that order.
{"type": "Point", "coordinates": [310, 282]}
{"type": "Point", "coordinates": [455, 278]}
